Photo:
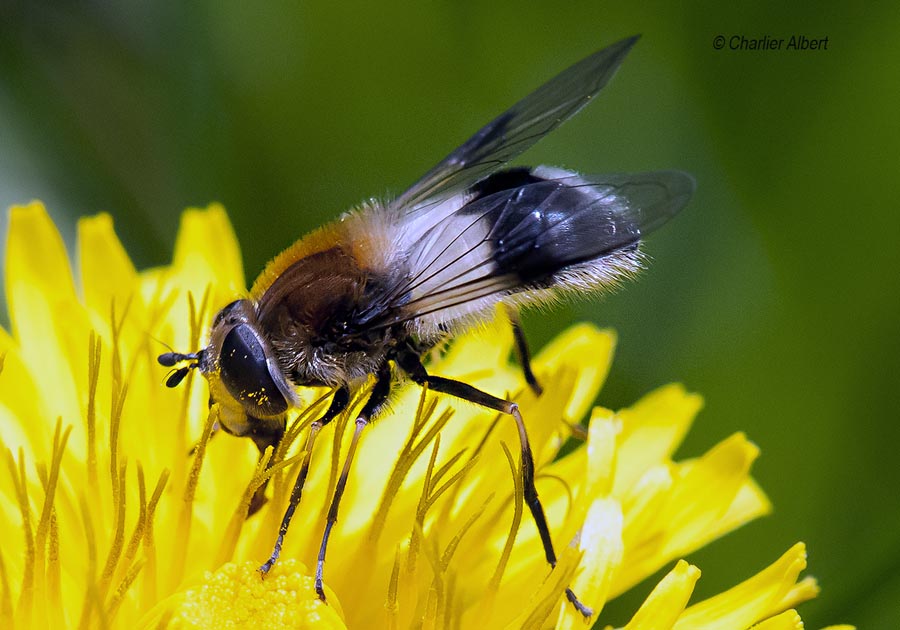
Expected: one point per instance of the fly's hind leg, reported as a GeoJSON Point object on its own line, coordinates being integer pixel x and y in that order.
{"type": "Point", "coordinates": [412, 365]}
{"type": "Point", "coordinates": [522, 350]}
{"type": "Point", "coordinates": [578, 431]}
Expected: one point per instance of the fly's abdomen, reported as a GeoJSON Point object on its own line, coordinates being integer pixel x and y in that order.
{"type": "Point", "coordinates": [522, 230]}
{"type": "Point", "coordinates": [554, 221]}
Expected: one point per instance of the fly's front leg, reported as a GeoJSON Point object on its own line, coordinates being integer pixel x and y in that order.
{"type": "Point", "coordinates": [338, 404]}
{"type": "Point", "coordinates": [412, 365]}
{"type": "Point", "coordinates": [376, 401]}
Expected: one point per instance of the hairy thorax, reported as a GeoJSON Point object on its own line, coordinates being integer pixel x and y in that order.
{"type": "Point", "coordinates": [314, 315]}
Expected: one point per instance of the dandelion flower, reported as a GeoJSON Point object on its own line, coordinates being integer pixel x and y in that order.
{"type": "Point", "coordinates": [118, 510]}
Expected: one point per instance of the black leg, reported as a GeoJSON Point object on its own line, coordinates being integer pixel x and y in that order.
{"type": "Point", "coordinates": [412, 365]}
{"type": "Point", "coordinates": [522, 350]}
{"type": "Point", "coordinates": [338, 404]}
{"type": "Point", "coordinates": [376, 400]}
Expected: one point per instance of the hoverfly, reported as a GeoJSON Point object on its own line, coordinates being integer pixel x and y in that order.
{"type": "Point", "coordinates": [389, 281]}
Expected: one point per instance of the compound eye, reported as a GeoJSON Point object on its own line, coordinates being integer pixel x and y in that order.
{"type": "Point", "coordinates": [246, 375]}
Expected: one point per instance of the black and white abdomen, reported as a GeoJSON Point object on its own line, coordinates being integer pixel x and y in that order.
{"type": "Point", "coordinates": [531, 233]}
{"type": "Point", "coordinates": [556, 220]}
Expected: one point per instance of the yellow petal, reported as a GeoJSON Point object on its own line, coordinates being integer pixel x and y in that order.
{"type": "Point", "coordinates": [20, 397]}
{"type": "Point", "coordinates": [601, 543]}
{"type": "Point", "coordinates": [704, 489]}
{"type": "Point", "coordinates": [590, 350]}
{"type": "Point", "coordinates": [601, 453]}
{"type": "Point", "coordinates": [788, 620]}
{"type": "Point", "coordinates": [671, 510]}
{"type": "Point", "coordinates": [478, 354]}
{"type": "Point", "coordinates": [643, 530]}
{"type": "Point", "coordinates": [662, 608]}
{"type": "Point", "coordinates": [36, 251]}
{"type": "Point", "coordinates": [107, 274]}
{"type": "Point", "coordinates": [750, 601]}
{"type": "Point", "coordinates": [207, 255]}
{"type": "Point", "coordinates": [750, 503]}
{"type": "Point", "coordinates": [48, 321]}
{"type": "Point", "coordinates": [804, 590]}
{"type": "Point", "coordinates": [652, 429]}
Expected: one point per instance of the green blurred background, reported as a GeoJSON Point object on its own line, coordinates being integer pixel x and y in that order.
{"type": "Point", "coordinates": [775, 294]}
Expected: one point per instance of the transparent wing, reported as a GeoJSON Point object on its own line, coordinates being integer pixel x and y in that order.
{"type": "Point", "coordinates": [519, 238]}
{"type": "Point", "coordinates": [518, 128]}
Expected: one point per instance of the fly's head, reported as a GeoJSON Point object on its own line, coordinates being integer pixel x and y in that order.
{"type": "Point", "coordinates": [244, 376]}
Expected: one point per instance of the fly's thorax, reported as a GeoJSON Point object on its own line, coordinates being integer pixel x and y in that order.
{"type": "Point", "coordinates": [317, 316]}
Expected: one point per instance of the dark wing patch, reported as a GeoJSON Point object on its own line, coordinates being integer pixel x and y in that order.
{"type": "Point", "coordinates": [518, 239]}
{"type": "Point", "coordinates": [506, 179]}
{"type": "Point", "coordinates": [519, 127]}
